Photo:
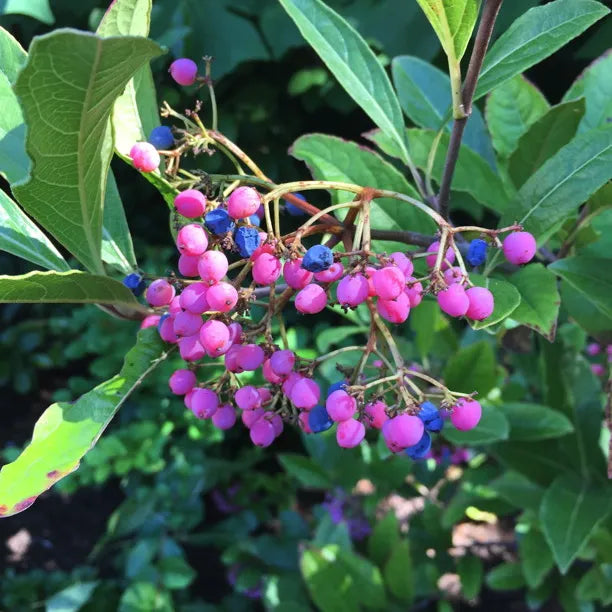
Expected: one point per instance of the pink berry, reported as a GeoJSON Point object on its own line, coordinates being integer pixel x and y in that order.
{"type": "Point", "coordinates": [352, 290]}
{"type": "Point", "coordinates": [389, 282]}
{"type": "Point", "coordinates": [166, 331]}
{"type": "Point", "coordinates": [594, 349]}
{"type": "Point", "coordinates": [264, 394]}
{"type": "Point", "coordinates": [402, 431]}
{"type": "Point", "coordinates": [251, 416]}
{"type": "Point", "coordinates": [296, 276]}
{"type": "Point", "coordinates": [145, 157]}
{"type": "Point", "coordinates": [282, 362]}
{"type": "Point", "coordinates": [375, 414]}
{"type": "Point", "coordinates": [350, 433]}
{"type": "Point", "coordinates": [270, 375]}
{"type": "Point", "coordinates": [453, 275]}
{"type": "Point", "coordinates": [235, 331]}
{"type": "Point", "coordinates": [370, 271]}
{"type": "Point", "coordinates": [212, 266]}
{"type": "Point", "coordinates": [414, 291]}
{"type": "Point", "coordinates": [247, 398]}
{"type": "Point", "coordinates": [243, 202]}
{"type": "Point", "coordinates": [150, 321]}
{"type": "Point", "coordinates": [609, 350]}
{"type": "Point", "coordinates": [598, 369]}
{"type": "Point", "coordinates": [190, 348]}
{"type": "Point", "coordinates": [453, 301]}
{"type": "Point", "coordinates": [204, 403]}
{"type": "Point", "coordinates": [249, 357]}
{"type": "Point", "coordinates": [266, 269]}
{"type": "Point", "coordinates": [190, 203]}
{"type": "Point", "coordinates": [304, 422]}
{"type": "Point", "coordinates": [159, 293]}
{"type": "Point", "coordinates": [305, 394]}
{"type": "Point", "coordinates": [333, 273]}
{"type": "Point", "coordinates": [188, 265]}
{"type": "Point", "coordinates": [182, 381]}
{"type": "Point", "coordinates": [434, 247]}
{"type": "Point", "coordinates": [403, 262]}
{"type": "Point", "coordinates": [340, 406]}
{"type": "Point", "coordinates": [188, 397]}
{"type": "Point", "coordinates": [231, 356]}
{"type": "Point", "coordinates": [214, 335]}
{"type": "Point", "coordinates": [174, 307]}
{"type": "Point", "coordinates": [187, 324]}
{"type": "Point", "coordinates": [519, 247]}
{"type": "Point", "coordinates": [466, 414]}
{"type": "Point", "coordinates": [222, 297]}
{"type": "Point", "coordinates": [481, 303]}
{"type": "Point", "coordinates": [277, 423]}
{"type": "Point", "coordinates": [394, 311]}
{"type": "Point", "coordinates": [311, 299]}
{"type": "Point", "coordinates": [192, 240]}
{"type": "Point", "coordinates": [262, 433]}
{"type": "Point", "coordinates": [224, 417]}
{"type": "Point", "coordinates": [193, 298]}
{"type": "Point", "coordinates": [184, 71]}
{"type": "Point", "coordinates": [290, 382]}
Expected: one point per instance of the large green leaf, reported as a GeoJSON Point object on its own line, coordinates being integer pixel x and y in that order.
{"type": "Point", "coordinates": [67, 430]}
{"type": "Point", "coordinates": [425, 97]}
{"type": "Point", "coordinates": [493, 427]}
{"type": "Point", "coordinates": [534, 421]}
{"type": "Point", "coordinates": [562, 183]}
{"type": "Point", "coordinates": [352, 62]}
{"type": "Point", "coordinates": [595, 84]}
{"type": "Point", "coordinates": [14, 161]}
{"type": "Point", "coordinates": [135, 111]}
{"type": "Point", "coordinates": [518, 490]}
{"type": "Point", "coordinates": [72, 287]}
{"type": "Point", "coordinates": [399, 572]}
{"type": "Point", "coordinates": [571, 509]}
{"type": "Point", "coordinates": [585, 313]}
{"type": "Point", "coordinates": [507, 299]}
{"type": "Point", "coordinates": [472, 369]}
{"type": "Point", "coordinates": [12, 55]}
{"type": "Point", "coordinates": [536, 557]}
{"type": "Point", "coordinates": [383, 538]}
{"type": "Point", "coordinates": [540, 300]}
{"type": "Point", "coordinates": [453, 22]}
{"type": "Point", "coordinates": [592, 276]}
{"type": "Point", "coordinates": [544, 138]}
{"type": "Point", "coordinates": [20, 236]}
{"type": "Point", "coordinates": [534, 36]}
{"type": "Point", "coordinates": [470, 570]}
{"type": "Point", "coordinates": [304, 470]}
{"type": "Point", "coordinates": [511, 108]}
{"type": "Point", "coordinates": [66, 107]}
{"type": "Point", "coordinates": [37, 9]}
{"type": "Point", "coordinates": [333, 159]}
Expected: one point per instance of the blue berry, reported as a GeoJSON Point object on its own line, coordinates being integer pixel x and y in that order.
{"type": "Point", "coordinates": [318, 258]}
{"type": "Point", "coordinates": [218, 221]}
{"type": "Point", "coordinates": [292, 209]}
{"type": "Point", "coordinates": [161, 137]}
{"type": "Point", "coordinates": [431, 417]}
{"type": "Point", "coordinates": [319, 420]}
{"type": "Point", "coordinates": [135, 283]}
{"type": "Point", "coordinates": [421, 448]}
{"type": "Point", "coordinates": [247, 240]}
{"type": "Point", "coordinates": [255, 220]}
{"type": "Point", "coordinates": [477, 252]}
{"type": "Point", "coordinates": [161, 320]}
{"type": "Point", "coordinates": [337, 386]}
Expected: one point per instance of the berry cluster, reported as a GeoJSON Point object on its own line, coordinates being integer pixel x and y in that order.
{"type": "Point", "coordinates": [227, 262]}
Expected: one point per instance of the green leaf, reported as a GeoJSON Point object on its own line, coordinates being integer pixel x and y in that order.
{"type": "Point", "coordinates": [518, 490]}
{"type": "Point", "coordinates": [561, 184]}
{"type": "Point", "coordinates": [333, 159]}
{"type": "Point", "coordinates": [596, 584]}
{"type": "Point", "coordinates": [20, 237]}
{"type": "Point", "coordinates": [425, 97]}
{"type": "Point", "coordinates": [591, 276]}
{"type": "Point", "coordinates": [330, 336]}
{"type": "Point", "coordinates": [511, 108]}
{"type": "Point", "coordinates": [595, 84]}
{"type": "Point", "coordinates": [367, 579]}
{"type": "Point", "coordinates": [176, 573]}
{"type": "Point", "coordinates": [507, 300]}
{"type": "Point", "coordinates": [585, 313]}
{"type": "Point", "coordinates": [540, 300]}
{"type": "Point", "coordinates": [383, 537]}
{"type": "Point", "coordinates": [353, 63]}
{"type": "Point", "coordinates": [117, 248]}
{"type": "Point", "coordinates": [472, 368]}
{"type": "Point", "coordinates": [534, 421]}
{"type": "Point", "coordinates": [305, 470]}
{"type": "Point", "coordinates": [453, 23]}
{"type": "Point", "coordinates": [505, 577]}
{"type": "Point", "coordinates": [493, 427]}
{"type": "Point", "coordinates": [571, 509]}
{"type": "Point", "coordinates": [544, 138]}
{"type": "Point", "coordinates": [471, 573]}
{"type": "Point", "coordinates": [72, 598]}
{"type": "Point", "coordinates": [398, 572]}
{"type": "Point", "coordinates": [67, 430]}
{"type": "Point", "coordinates": [14, 161]}
{"type": "Point", "coordinates": [534, 36]}
{"type": "Point", "coordinates": [12, 56]}
{"type": "Point", "coordinates": [425, 322]}
{"type": "Point", "coordinates": [72, 287]}
{"type": "Point", "coordinates": [330, 532]}
{"type": "Point", "coordinates": [145, 597]}
{"type": "Point", "coordinates": [67, 140]}
{"type": "Point", "coordinates": [37, 9]}
{"type": "Point", "coordinates": [536, 558]}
